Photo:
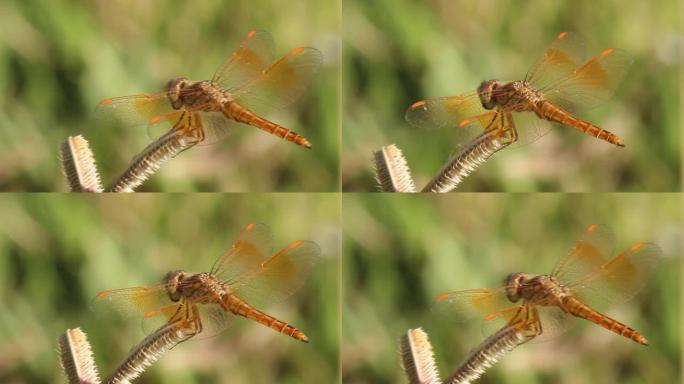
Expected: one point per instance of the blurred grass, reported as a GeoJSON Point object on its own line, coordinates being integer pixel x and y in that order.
{"type": "Point", "coordinates": [399, 52]}
{"type": "Point", "coordinates": [61, 250]}
{"type": "Point", "coordinates": [401, 251]}
{"type": "Point", "coordinates": [58, 58]}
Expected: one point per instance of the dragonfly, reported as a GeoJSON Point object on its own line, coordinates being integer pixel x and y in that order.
{"type": "Point", "coordinates": [249, 83]}
{"type": "Point", "coordinates": [582, 280]}
{"type": "Point", "coordinates": [558, 85]}
{"type": "Point", "coordinates": [246, 277]}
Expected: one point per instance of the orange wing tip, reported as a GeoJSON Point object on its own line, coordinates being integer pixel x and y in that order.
{"type": "Point", "coordinates": [296, 244]}
{"type": "Point", "coordinates": [106, 101]}
{"type": "Point", "coordinates": [250, 227]}
{"type": "Point", "coordinates": [150, 313]}
{"type": "Point", "coordinates": [417, 104]}
{"type": "Point", "coordinates": [463, 123]}
{"type": "Point", "coordinates": [155, 119]}
{"type": "Point", "coordinates": [298, 50]}
{"type": "Point", "coordinates": [103, 294]}
{"type": "Point", "coordinates": [607, 52]}
{"type": "Point", "coordinates": [637, 246]}
{"type": "Point", "coordinates": [251, 33]}
{"type": "Point", "coordinates": [592, 228]}
{"type": "Point", "coordinates": [442, 296]}
{"type": "Point", "coordinates": [491, 316]}
{"type": "Point", "coordinates": [562, 35]}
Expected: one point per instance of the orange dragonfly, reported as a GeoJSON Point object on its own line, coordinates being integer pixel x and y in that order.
{"type": "Point", "coordinates": [585, 278]}
{"type": "Point", "coordinates": [560, 83]}
{"type": "Point", "coordinates": [245, 277]}
{"type": "Point", "coordinates": [244, 87]}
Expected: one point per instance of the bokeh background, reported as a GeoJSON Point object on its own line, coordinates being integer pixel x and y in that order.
{"type": "Point", "coordinates": [400, 252]}
{"type": "Point", "coordinates": [396, 52]}
{"type": "Point", "coordinates": [59, 58]}
{"type": "Point", "coordinates": [58, 251]}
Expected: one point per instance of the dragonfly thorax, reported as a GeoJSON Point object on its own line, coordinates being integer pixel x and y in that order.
{"type": "Point", "coordinates": [199, 95]}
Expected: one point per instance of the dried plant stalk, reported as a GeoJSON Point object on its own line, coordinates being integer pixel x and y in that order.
{"type": "Point", "coordinates": [76, 357]}
{"type": "Point", "coordinates": [466, 160]}
{"type": "Point", "coordinates": [78, 165]}
{"type": "Point", "coordinates": [489, 352]}
{"type": "Point", "coordinates": [150, 350]}
{"type": "Point", "coordinates": [151, 158]}
{"type": "Point", "coordinates": [391, 170]}
{"type": "Point", "coordinates": [417, 358]}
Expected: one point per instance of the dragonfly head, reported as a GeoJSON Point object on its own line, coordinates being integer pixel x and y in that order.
{"type": "Point", "coordinates": [173, 283]}
{"type": "Point", "coordinates": [486, 92]}
{"type": "Point", "coordinates": [174, 88]}
{"type": "Point", "coordinates": [514, 283]}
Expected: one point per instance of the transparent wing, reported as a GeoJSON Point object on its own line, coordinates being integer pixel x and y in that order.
{"type": "Point", "coordinates": [593, 83]}
{"type": "Point", "coordinates": [248, 252]}
{"type": "Point", "coordinates": [282, 82]}
{"type": "Point", "coordinates": [280, 276]}
{"type": "Point", "coordinates": [489, 305]}
{"type": "Point", "coordinates": [620, 278]}
{"type": "Point", "coordinates": [445, 112]}
{"type": "Point", "coordinates": [134, 110]}
{"type": "Point", "coordinates": [590, 251]}
{"type": "Point", "coordinates": [563, 76]}
{"type": "Point", "coordinates": [596, 278]}
{"type": "Point", "coordinates": [469, 119]}
{"type": "Point", "coordinates": [247, 62]}
{"type": "Point", "coordinates": [565, 54]}
{"type": "Point", "coordinates": [134, 301]}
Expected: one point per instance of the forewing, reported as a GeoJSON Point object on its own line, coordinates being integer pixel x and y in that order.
{"type": "Point", "coordinates": [489, 305]}
{"type": "Point", "coordinates": [248, 252]}
{"type": "Point", "coordinates": [282, 82]}
{"type": "Point", "coordinates": [620, 278]}
{"type": "Point", "coordinates": [445, 112]}
{"type": "Point", "coordinates": [565, 54]}
{"type": "Point", "coordinates": [280, 276]}
{"type": "Point", "coordinates": [133, 110]}
{"type": "Point", "coordinates": [591, 84]}
{"type": "Point", "coordinates": [590, 252]}
{"type": "Point", "coordinates": [134, 301]}
{"type": "Point", "coordinates": [247, 62]}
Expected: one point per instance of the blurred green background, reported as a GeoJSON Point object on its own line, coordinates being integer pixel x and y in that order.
{"type": "Point", "coordinates": [396, 52]}
{"type": "Point", "coordinates": [58, 58]}
{"type": "Point", "coordinates": [61, 250]}
{"type": "Point", "coordinates": [400, 252]}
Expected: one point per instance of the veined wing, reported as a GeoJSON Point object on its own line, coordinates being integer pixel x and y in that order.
{"type": "Point", "coordinates": [279, 276]}
{"type": "Point", "coordinates": [247, 62]}
{"type": "Point", "coordinates": [134, 110]}
{"type": "Point", "coordinates": [596, 278]}
{"type": "Point", "coordinates": [484, 304]}
{"type": "Point", "coordinates": [565, 79]}
{"type": "Point", "coordinates": [251, 248]}
{"type": "Point", "coordinates": [145, 301]}
{"type": "Point", "coordinates": [282, 82]}
{"type": "Point", "coordinates": [465, 114]}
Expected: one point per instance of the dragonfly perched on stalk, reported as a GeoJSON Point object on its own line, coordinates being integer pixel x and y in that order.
{"type": "Point", "coordinates": [581, 281]}
{"type": "Point", "coordinates": [241, 281]}
{"type": "Point", "coordinates": [499, 113]}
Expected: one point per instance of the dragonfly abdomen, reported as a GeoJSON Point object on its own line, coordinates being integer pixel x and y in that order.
{"type": "Point", "coordinates": [240, 307]}
{"type": "Point", "coordinates": [241, 114]}
{"type": "Point", "coordinates": [579, 309]}
{"type": "Point", "coordinates": [553, 113]}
